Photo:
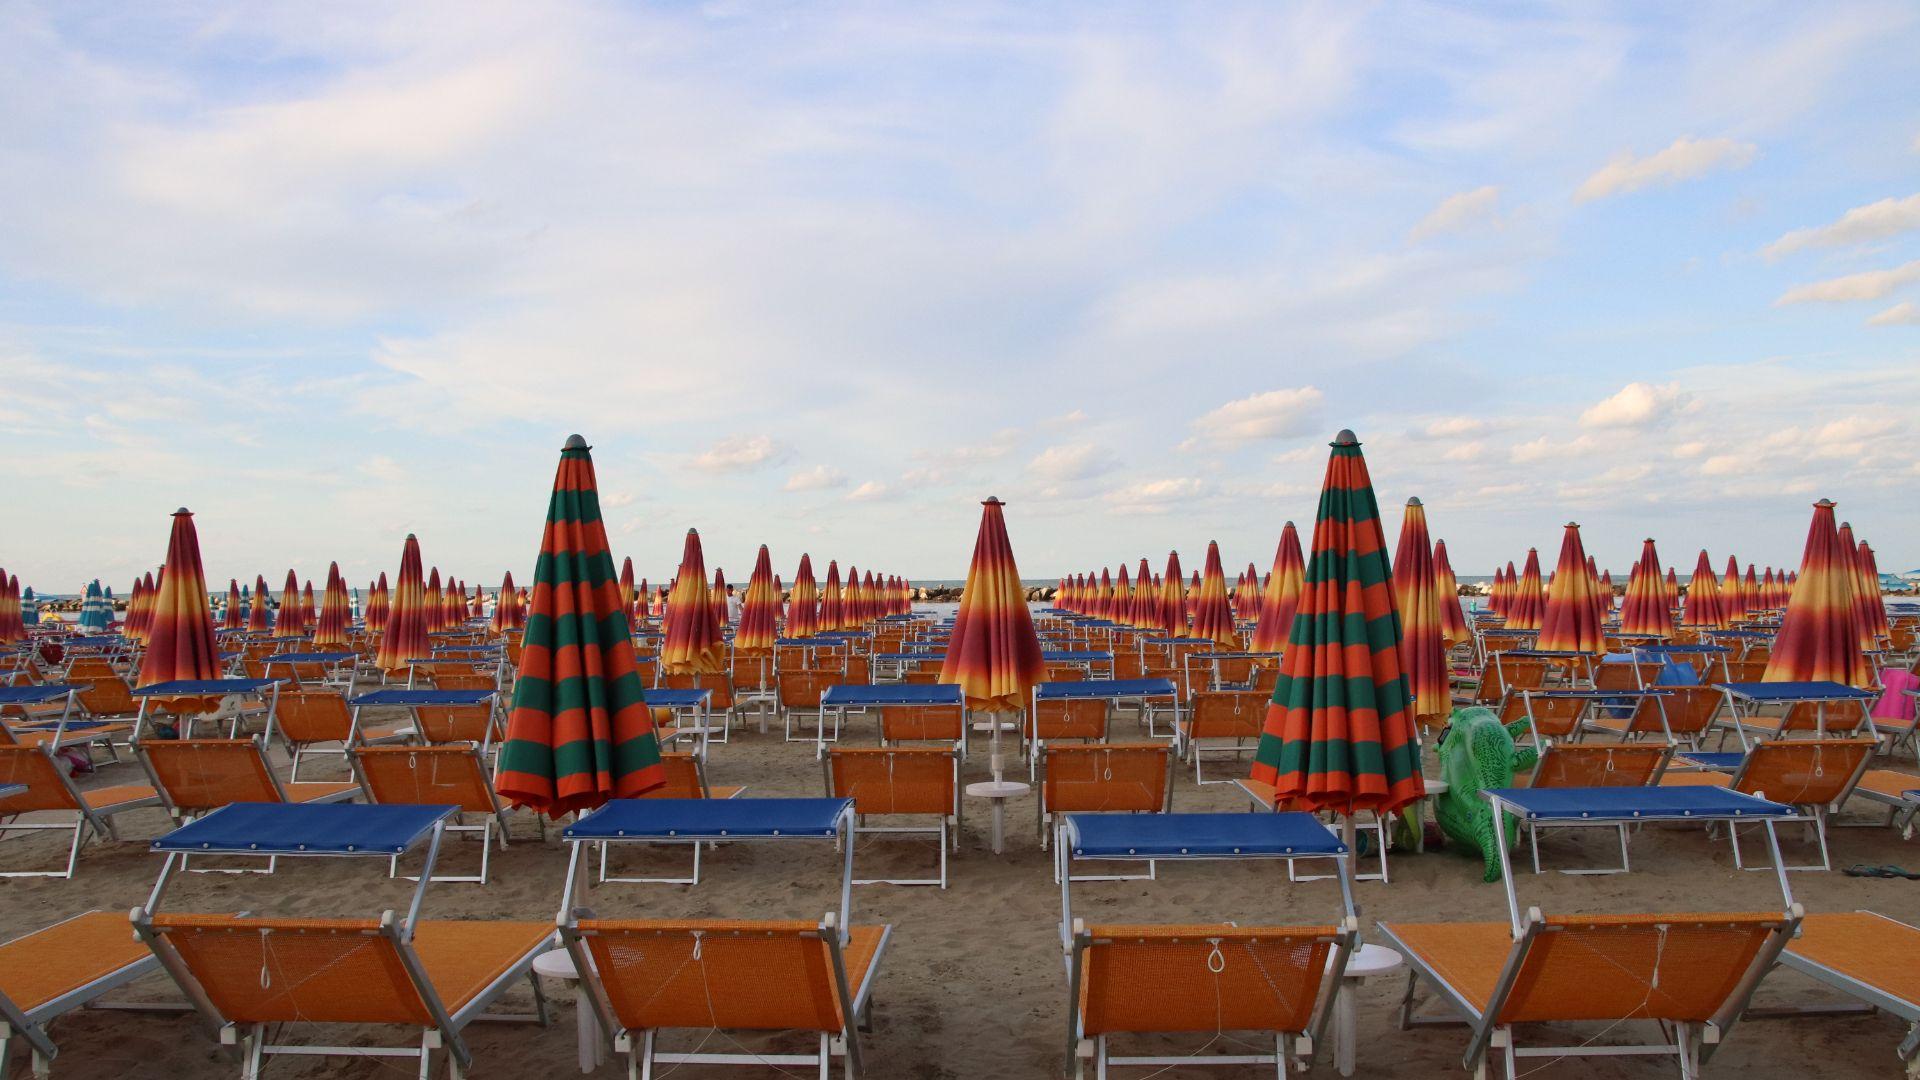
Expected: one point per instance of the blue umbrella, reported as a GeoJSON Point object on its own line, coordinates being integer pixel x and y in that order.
{"type": "Point", "coordinates": [95, 613]}
{"type": "Point", "coordinates": [29, 608]}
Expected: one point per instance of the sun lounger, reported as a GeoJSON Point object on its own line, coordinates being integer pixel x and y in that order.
{"type": "Point", "coordinates": [1264, 798]}
{"type": "Point", "coordinates": [907, 711]}
{"type": "Point", "coordinates": [1674, 714]}
{"type": "Point", "coordinates": [1897, 791]}
{"type": "Point", "coordinates": [1104, 777]}
{"type": "Point", "coordinates": [1818, 708]}
{"type": "Point", "coordinates": [63, 967]}
{"type": "Point", "coordinates": [1869, 957]}
{"type": "Point", "coordinates": [186, 698]}
{"type": "Point", "coordinates": [1596, 764]}
{"type": "Point", "coordinates": [895, 781]}
{"type": "Point", "coordinates": [452, 774]}
{"type": "Point", "coordinates": [1813, 775]}
{"type": "Point", "coordinates": [43, 787]}
{"type": "Point", "coordinates": [310, 720]}
{"type": "Point", "coordinates": [1219, 714]}
{"type": "Point", "coordinates": [1621, 808]}
{"type": "Point", "coordinates": [197, 776]}
{"type": "Point", "coordinates": [443, 716]}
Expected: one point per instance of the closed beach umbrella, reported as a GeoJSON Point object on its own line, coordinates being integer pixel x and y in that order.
{"type": "Point", "coordinates": [1527, 603]}
{"type": "Point", "coordinates": [759, 610]}
{"type": "Point", "coordinates": [1212, 616]}
{"type": "Point", "coordinates": [803, 607]}
{"type": "Point", "coordinates": [1281, 598]}
{"type": "Point", "coordinates": [1750, 591]}
{"type": "Point", "coordinates": [260, 614]}
{"type": "Point", "coordinates": [1819, 637]}
{"type": "Point", "coordinates": [1703, 606]}
{"type": "Point", "coordinates": [309, 611]}
{"type": "Point", "coordinates": [643, 601]}
{"type": "Point", "coordinates": [994, 654]}
{"type": "Point", "coordinates": [876, 606]}
{"type": "Point", "coordinates": [1497, 592]}
{"type": "Point", "coordinates": [405, 636]}
{"type": "Point", "coordinates": [235, 617]}
{"type": "Point", "coordinates": [12, 629]}
{"type": "Point", "coordinates": [1339, 732]}
{"type": "Point", "coordinates": [717, 601]}
{"type": "Point", "coordinates": [1123, 595]}
{"type": "Point", "coordinates": [289, 623]}
{"type": "Point", "coordinates": [140, 608]}
{"type": "Point", "coordinates": [1193, 594]}
{"type": "Point", "coordinates": [436, 605]}
{"type": "Point", "coordinates": [1869, 592]}
{"type": "Point", "coordinates": [1103, 605]}
{"type": "Point", "coordinates": [1416, 592]}
{"type": "Point", "coordinates": [379, 603]}
{"type": "Point", "coordinates": [30, 608]}
{"type": "Point", "coordinates": [1171, 616]}
{"type": "Point", "coordinates": [626, 584]}
{"type": "Point", "coordinates": [1850, 565]}
{"type": "Point", "coordinates": [1571, 622]}
{"type": "Point", "coordinates": [692, 636]}
{"type": "Point", "coordinates": [1606, 594]}
{"type": "Point", "coordinates": [331, 626]}
{"type": "Point", "coordinates": [1453, 618]}
{"type": "Point", "coordinates": [580, 732]}
{"type": "Point", "coordinates": [95, 617]}
{"type": "Point", "coordinates": [833, 604]}
{"type": "Point", "coordinates": [1733, 592]}
{"type": "Point", "coordinates": [1140, 605]}
{"type": "Point", "coordinates": [508, 615]}
{"type": "Point", "coordinates": [1645, 612]}
{"type": "Point", "coordinates": [180, 629]}
{"type": "Point", "coordinates": [1673, 589]}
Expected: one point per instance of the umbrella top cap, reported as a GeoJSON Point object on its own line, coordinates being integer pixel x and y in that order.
{"type": "Point", "coordinates": [575, 442]}
{"type": "Point", "coordinates": [183, 510]}
{"type": "Point", "coordinates": [992, 500]}
{"type": "Point", "coordinates": [1828, 503]}
{"type": "Point", "coordinates": [1414, 501]}
{"type": "Point", "coordinates": [1346, 438]}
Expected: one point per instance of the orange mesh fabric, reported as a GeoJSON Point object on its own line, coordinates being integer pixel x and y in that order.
{"type": "Point", "coordinates": [1076, 718]}
{"type": "Point", "coordinates": [894, 781]}
{"type": "Point", "coordinates": [203, 774]}
{"type": "Point", "coordinates": [1202, 978]}
{"type": "Point", "coordinates": [455, 723]}
{"type": "Point", "coordinates": [67, 956]}
{"type": "Point", "coordinates": [425, 776]}
{"type": "Point", "coordinates": [944, 723]}
{"type": "Point", "coordinates": [1656, 967]}
{"type": "Point", "coordinates": [1804, 772]}
{"type": "Point", "coordinates": [1120, 776]}
{"type": "Point", "coordinates": [1227, 714]}
{"type": "Point", "coordinates": [273, 970]}
{"type": "Point", "coordinates": [462, 957]}
{"type": "Point", "coordinates": [1555, 718]}
{"type": "Point", "coordinates": [31, 766]}
{"type": "Point", "coordinates": [311, 716]}
{"type": "Point", "coordinates": [1860, 945]}
{"type": "Point", "coordinates": [1599, 765]}
{"type": "Point", "coordinates": [683, 778]}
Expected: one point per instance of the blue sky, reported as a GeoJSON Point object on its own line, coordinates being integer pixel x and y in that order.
{"type": "Point", "coordinates": [824, 276]}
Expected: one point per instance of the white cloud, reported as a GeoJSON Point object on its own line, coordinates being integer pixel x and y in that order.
{"type": "Point", "coordinates": [1074, 461]}
{"type": "Point", "coordinates": [1552, 447]}
{"type": "Point", "coordinates": [613, 500]}
{"type": "Point", "coordinates": [1156, 496]}
{"type": "Point", "coordinates": [1275, 414]}
{"type": "Point", "coordinates": [1866, 285]}
{"type": "Point", "coordinates": [1457, 212]}
{"type": "Point", "coordinates": [1904, 313]}
{"type": "Point", "coordinates": [1860, 225]}
{"type": "Point", "coordinates": [1466, 451]}
{"type": "Point", "coordinates": [1692, 448]}
{"type": "Point", "coordinates": [1067, 419]}
{"type": "Point", "coordinates": [740, 453]}
{"type": "Point", "coordinates": [1687, 159]}
{"type": "Point", "coordinates": [1454, 427]}
{"type": "Point", "coordinates": [384, 469]}
{"type": "Point", "coordinates": [870, 491]}
{"type": "Point", "coordinates": [1635, 405]}
{"type": "Point", "coordinates": [817, 478]}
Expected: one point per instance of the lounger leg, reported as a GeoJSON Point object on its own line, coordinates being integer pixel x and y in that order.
{"type": "Point", "coordinates": [253, 1046]}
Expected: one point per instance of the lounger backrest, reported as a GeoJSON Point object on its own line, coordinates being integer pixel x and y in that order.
{"type": "Point", "coordinates": [455, 723]}
{"type": "Point", "coordinates": [1676, 968]}
{"type": "Point", "coordinates": [1804, 772]}
{"type": "Point", "coordinates": [1691, 709]}
{"type": "Point", "coordinates": [312, 716]}
{"type": "Point", "coordinates": [1840, 717]}
{"type": "Point", "coordinates": [802, 689]}
{"type": "Point", "coordinates": [205, 774]}
{"type": "Point", "coordinates": [1070, 718]}
{"type": "Point", "coordinates": [1119, 776]}
{"type": "Point", "coordinates": [684, 777]}
{"type": "Point", "coordinates": [106, 695]}
{"type": "Point", "coordinates": [925, 676]}
{"type": "Point", "coordinates": [1227, 714]}
{"type": "Point", "coordinates": [714, 974]}
{"type": "Point", "coordinates": [857, 670]}
{"type": "Point", "coordinates": [893, 780]}
{"type": "Point", "coordinates": [1128, 665]}
{"type": "Point", "coordinates": [1554, 717]}
{"type": "Point", "coordinates": [46, 788]}
{"type": "Point", "coordinates": [717, 682]}
{"type": "Point", "coordinates": [1599, 765]}
{"type": "Point", "coordinates": [264, 971]}
{"type": "Point", "coordinates": [753, 672]}
{"type": "Point", "coordinates": [425, 776]}
{"type": "Point", "coordinates": [1498, 676]}
{"type": "Point", "coordinates": [1648, 711]}
{"type": "Point", "coordinates": [1202, 978]}
{"type": "Point", "coordinates": [1236, 671]}
{"type": "Point", "coordinates": [84, 668]}
{"type": "Point", "coordinates": [461, 680]}
{"type": "Point", "coordinates": [1624, 675]}
{"type": "Point", "coordinates": [1066, 673]}
{"type": "Point", "coordinates": [905, 723]}
{"type": "Point", "coordinates": [1747, 669]}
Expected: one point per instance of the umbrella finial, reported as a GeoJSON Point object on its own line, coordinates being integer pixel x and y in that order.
{"type": "Point", "coordinates": [1414, 501]}
{"type": "Point", "coordinates": [1346, 438]}
{"type": "Point", "coordinates": [1573, 524]}
{"type": "Point", "coordinates": [992, 500]}
{"type": "Point", "coordinates": [183, 510]}
{"type": "Point", "coordinates": [576, 442]}
{"type": "Point", "coordinates": [1828, 503]}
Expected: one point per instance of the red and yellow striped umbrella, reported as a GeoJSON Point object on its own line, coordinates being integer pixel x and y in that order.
{"type": "Point", "coordinates": [993, 654]}
{"type": "Point", "coordinates": [1571, 622]}
{"type": "Point", "coordinates": [717, 600]}
{"type": "Point", "coordinates": [1750, 590]}
{"type": "Point", "coordinates": [1527, 602]}
{"type": "Point", "coordinates": [260, 616]}
{"type": "Point", "coordinates": [1339, 732]}
{"type": "Point", "coordinates": [1672, 585]}
{"type": "Point", "coordinates": [1453, 619]}
{"type": "Point", "coordinates": [1136, 605]}
{"type": "Point", "coordinates": [833, 603]}
{"type": "Point", "coordinates": [1819, 637]}
{"type": "Point", "coordinates": [1869, 592]}
{"type": "Point", "coordinates": [1103, 597]}
{"type": "Point", "coordinates": [580, 732]}
{"type": "Point", "coordinates": [1497, 592]}
{"type": "Point", "coordinates": [759, 610]}
{"type": "Point", "coordinates": [692, 643]}
{"type": "Point", "coordinates": [508, 615]}
{"type": "Point", "coordinates": [13, 625]}
{"type": "Point", "coordinates": [477, 606]}
{"type": "Point", "coordinates": [1282, 595]}
{"type": "Point", "coordinates": [289, 623]}
{"type": "Point", "coordinates": [1212, 617]}
{"type": "Point", "coordinates": [1416, 591]}
{"type": "Point", "coordinates": [1704, 607]}
{"type": "Point", "coordinates": [803, 607]}
{"type": "Point", "coordinates": [1733, 594]}
{"type": "Point", "coordinates": [1606, 594]}
{"type": "Point", "coordinates": [853, 601]}
{"type": "Point", "coordinates": [331, 627]}
{"type": "Point", "coordinates": [1850, 565]}
{"type": "Point", "coordinates": [1645, 612]}
{"type": "Point", "coordinates": [1193, 594]}
{"type": "Point", "coordinates": [379, 603]}
{"type": "Point", "coordinates": [1123, 595]}
{"type": "Point", "coordinates": [236, 613]}
{"type": "Point", "coordinates": [875, 605]}
{"type": "Point", "coordinates": [436, 605]}
{"type": "Point", "coordinates": [140, 608]}
{"type": "Point", "coordinates": [456, 601]}
{"type": "Point", "coordinates": [180, 643]}
{"type": "Point", "coordinates": [626, 583]}
{"type": "Point", "coordinates": [405, 634]}
{"type": "Point", "coordinates": [1170, 618]}
{"type": "Point", "coordinates": [1246, 602]}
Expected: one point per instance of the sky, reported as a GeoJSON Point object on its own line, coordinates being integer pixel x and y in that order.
{"type": "Point", "coordinates": [824, 276]}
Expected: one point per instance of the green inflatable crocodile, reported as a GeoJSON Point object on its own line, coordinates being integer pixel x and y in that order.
{"type": "Point", "coordinates": [1476, 753]}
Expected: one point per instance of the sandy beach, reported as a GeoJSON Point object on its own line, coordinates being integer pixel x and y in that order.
{"type": "Point", "coordinates": [972, 985]}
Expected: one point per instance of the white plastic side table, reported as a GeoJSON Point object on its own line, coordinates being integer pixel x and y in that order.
{"type": "Point", "coordinates": [1367, 960]}
{"type": "Point", "coordinates": [558, 964]}
{"type": "Point", "coordinates": [999, 791]}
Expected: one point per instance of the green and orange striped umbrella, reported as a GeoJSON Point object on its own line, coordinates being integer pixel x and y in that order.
{"type": "Point", "coordinates": [405, 635]}
{"type": "Point", "coordinates": [833, 603]}
{"type": "Point", "coordinates": [379, 602]}
{"type": "Point", "coordinates": [1527, 600]}
{"type": "Point", "coordinates": [331, 627]}
{"type": "Point", "coordinates": [759, 609]}
{"type": "Point", "coordinates": [1819, 637]}
{"type": "Point", "coordinates": [180, 642]}
{"type": "Point", "coordinates": [1869, 592]}
{"type": "Point", "coordinates": [803, 607]}
{"type": "Point", "coordinates": [993, 654]}
{"type": "Point", "coordinates": [580, 732]}
{"type": "Point", "coordinates": [1645, 611]}
{"type": "Point", "coordinates": [508, 615]}
{"type": "Point", "coordinates": [1416, 592]}
{"type": "Point", "coordinates": [1850, 565]}
{"type": "Point", "coordinates": [1212, 617]}
{"type": "Point", "coordinates": [1703, 606]}
{"type": "Point", "coordinates": [1453, 619]}
{"type": "Point", "coordinates": [1571, 622]}
{"type": "Point", "coordinates": [236, 613]}
{"type": "Point", "coordinates": [692, 643]}
{"type": "Point", "coordinates": [1170, 618]}
{"type": "Point", "coordinates": [1281, 598]}
{"type": "Point", "coordinates": [289, 623]}
{"type": "Point", "coordinates": [1339, 732]}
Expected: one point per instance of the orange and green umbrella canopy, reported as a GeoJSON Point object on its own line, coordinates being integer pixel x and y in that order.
{"type": "Point", "coordinates": [1339, 731]}
{"type": "Point", "coordinates": [180, 642]}
{"type": "Point", "coordinates": [580, 732]}
{"type": "Point", "coordinates": [1416, 592]}
{"type": "Point", "coordinates": [759, 610]}
{"type": "Point", "coordinates": [1704, 606]}
{"type": "Point", "coordinates": [1571, 622]}
{"type": "Point", "coordinates": [692, 643]}
{"type": "Point", "coordinates": [1645, 611]}
{"type": "Point", "coordinates": [331, 627]}
{"type": "Point", "coordinates": [1453, 619]}
{"type": "Point", "coordinates": [1527, 603]}
{"type": "Point", "coordinates": [993, 654]}
{"type": "Point", "coordinates": [1819, 637]}
{"type": "Point", "coordinates": [1281, 598]}
{"type": "Point", "coordinates": [1212, 614]}
{"type": "Point", "coordinates": [803, 607]}
{"type": "Point", "coordinates": [405, 635]}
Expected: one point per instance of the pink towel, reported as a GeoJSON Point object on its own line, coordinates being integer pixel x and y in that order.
{"type": "Point", "coordinates": [1895, 704]}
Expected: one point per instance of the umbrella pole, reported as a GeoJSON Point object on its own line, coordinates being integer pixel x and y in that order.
{"type": "Point", "coordinates": [1349, 835]}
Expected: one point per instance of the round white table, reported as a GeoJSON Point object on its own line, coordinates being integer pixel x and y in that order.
{"type": "Point", "coordinates": [558, 964]}
{"type": "Point", "coordinates": [1367, 960]}
{"type": "Point", "coordinates": [999, 791]}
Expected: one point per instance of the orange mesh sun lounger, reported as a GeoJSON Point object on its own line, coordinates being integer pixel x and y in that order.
{"type": "Point", "coordinates": [893, 781]}
{"type": "Point", "coordinates": [1869, 957]}
{"type": "Point", "coordinates": [49, 790]}
{"type": "Point", "coordinates": [53, 971]}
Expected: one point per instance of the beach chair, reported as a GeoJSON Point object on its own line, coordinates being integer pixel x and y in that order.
{"type": "Point", "coordinates": [1548, 715]}
{"type": "Point", "coordinates": [645, 977]}
{"type": "Point", "coordinates": [448, 677]}
{"type": "Point", "coordinates": [1277, 981]}
{"type": "Point", "coordinates": [1897, 791]}
{"type": "Point", "coordinates": [924, 723]}
{"type": "Point", "coordinates": [799, 691]}
{"type": "Point", "coordinates": [1691, 974]}
{"type": "Point", "coordinates": [48, 790]}
{"type": "Point", "coordinates": [446, 775]}
{"type": "Point", "coordinates": [53, 971]}
{"type": "Point", "coordinates": [1581, 765]}
{"type": "Point", "coordinates": [721, 705]}
{"type": "Point", "coordinates": [311, 719]}
{"type": "Point", "coordinates": [1811, 775]}
{"type": "Point", "coordinates": [1052, 719]}
{"type": "Point", "coordinates": [1106, 777]}
{"type": "Point", "coordinates": [1265, 798]}
{"type": "Point", "coordinates": [686, 778]}
{"type": "Point", "coordinates": [442, 724]}
{"type": "Point", "coordinates": [1625, 675]}
{"type": "Point", "coordinates": [1868, 957]}
{"type": "Point", "coordinates": [1219, 714]}
{"type": "Point", "coordinates": [1065, 673]}
{"type": "Point", "coordinates": [1499, 677]}
{"type": "Point", "coordinates": [896, 781]}
{"type": "Point", "coordinates": [1679, 714]}
{"type": "Point", "coordinates": [198, 776]}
